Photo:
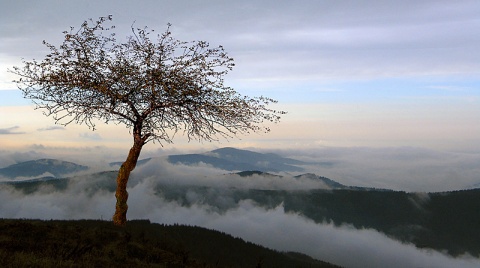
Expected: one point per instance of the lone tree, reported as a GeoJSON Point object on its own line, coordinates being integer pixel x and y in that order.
{"type": "Point", "coordinates": [154, 84]}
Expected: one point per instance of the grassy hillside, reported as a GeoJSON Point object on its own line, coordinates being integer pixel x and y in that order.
{"type": "Point", "coordinates": [90, 243]}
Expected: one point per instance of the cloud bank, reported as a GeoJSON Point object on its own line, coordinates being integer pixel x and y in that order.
{"type": "Point", "coordinates": [50, 128]}
{"type": "Point", "coordinates": [10, 131]}
{"type": "Point", "coordinates": [398, 168]}
{"type": "Point", "coordinates": [273, 227]}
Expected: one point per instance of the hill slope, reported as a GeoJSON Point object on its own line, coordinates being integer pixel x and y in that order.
{"type": "Point", "coordinates": [32, 243]}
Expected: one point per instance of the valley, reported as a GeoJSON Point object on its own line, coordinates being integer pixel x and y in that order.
{"type": "Point", "coordinates": [446, 222]}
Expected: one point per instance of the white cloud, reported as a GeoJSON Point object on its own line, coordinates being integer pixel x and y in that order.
{"type": "Point", "coordinates": [273, 228]}
{"type": "Point", "coordinates": [161, 171]}
{"type": "Point", "coordinates": [398, 168]}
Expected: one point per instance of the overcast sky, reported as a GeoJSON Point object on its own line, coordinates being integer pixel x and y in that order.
{"type": "Point", "coordinates": [350, 73]}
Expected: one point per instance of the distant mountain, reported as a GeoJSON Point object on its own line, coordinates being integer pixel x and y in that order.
{"type": "Point", "coordinates": [101, 181]}
{"type": "Point", "coordinates": [232, 159]}
{"type": "Point", "coordinates": [39, 167]}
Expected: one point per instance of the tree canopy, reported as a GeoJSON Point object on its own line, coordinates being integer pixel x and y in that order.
{"type": "Point", "coordinates": [164, 83]}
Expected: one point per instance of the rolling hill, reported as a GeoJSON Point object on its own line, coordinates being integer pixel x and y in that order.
{"type": "Point", "coordinates": [35, 168]}
{"type": "Point", "coordinates": [232, 159]}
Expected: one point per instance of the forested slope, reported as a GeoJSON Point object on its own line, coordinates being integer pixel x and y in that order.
{"type": "Point", "coordinates": [93, 243]}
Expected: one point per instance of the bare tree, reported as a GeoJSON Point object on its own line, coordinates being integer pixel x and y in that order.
{"type": "Point", "coordinates": [153, 83]}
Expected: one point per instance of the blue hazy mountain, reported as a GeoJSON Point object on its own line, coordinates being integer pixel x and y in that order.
{"type": "Point", "coordinates": [232, 159]}
{"type": "Point", "coordinates": [36, 168]}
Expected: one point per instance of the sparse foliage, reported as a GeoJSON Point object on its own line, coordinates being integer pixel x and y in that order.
{"type": "Point", "coordinates": [153, 83]}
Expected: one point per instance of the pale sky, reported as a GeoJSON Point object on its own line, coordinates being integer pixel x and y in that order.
{"type": "Point", "coordinates": [349, 73]}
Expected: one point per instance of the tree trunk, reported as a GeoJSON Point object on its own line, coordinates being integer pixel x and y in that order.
{"type": "Point", "coordinates": [121, 207]}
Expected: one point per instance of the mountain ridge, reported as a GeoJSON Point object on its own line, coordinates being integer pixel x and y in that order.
{"type": "Point", "coordinates": [231, 159]}
{"type": "Point", "coordinates": [39, 167]}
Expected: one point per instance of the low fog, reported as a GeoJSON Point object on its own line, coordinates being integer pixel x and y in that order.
{"type": "Point", "coordinates": [273, 228]}
{"type": "Point", "coordinates": [398, 168]}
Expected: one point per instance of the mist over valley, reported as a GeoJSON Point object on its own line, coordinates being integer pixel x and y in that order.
{"type": "Point", "coordinates": [274, 201]}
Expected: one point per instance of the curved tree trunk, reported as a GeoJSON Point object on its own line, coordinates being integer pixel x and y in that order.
{"type": "Point", "coordinates": [121, 207]}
